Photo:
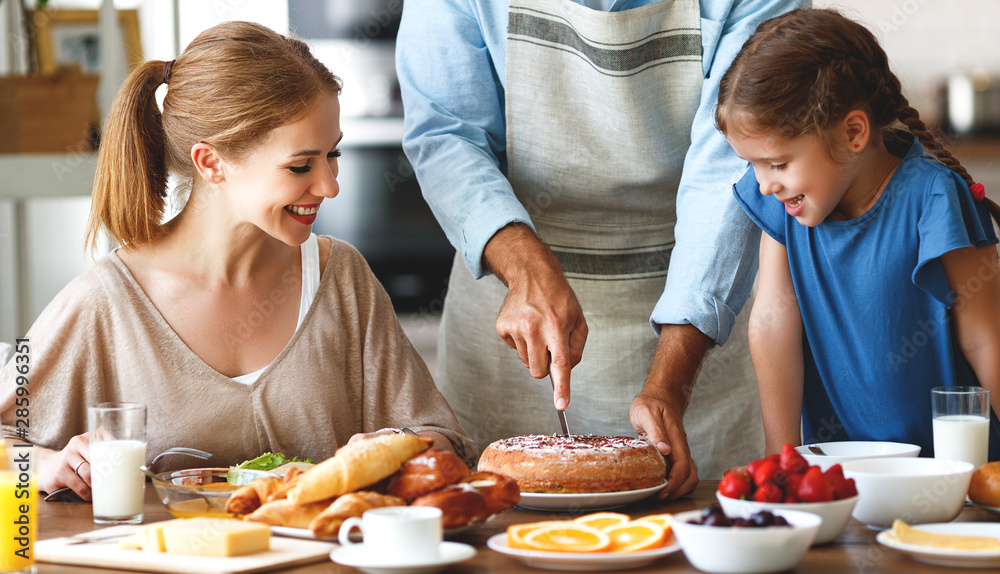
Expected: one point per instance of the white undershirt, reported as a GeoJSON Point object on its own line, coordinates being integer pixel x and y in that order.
{"type": "Point", "coordinates": [310, 285]}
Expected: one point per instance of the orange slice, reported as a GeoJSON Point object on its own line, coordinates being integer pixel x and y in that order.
{"type": "Point", "coordinates": [516, 532]}
{"type": "Point", "coordinates": [602, 519]}
{"type": "Point", "coordinates": [567, 537]}
{"type": "Point", "coordinates": [635, 535]}
{"type": "Point", "coordinates": [664, 520]}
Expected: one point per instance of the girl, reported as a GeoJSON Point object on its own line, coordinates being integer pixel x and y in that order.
{"type": "Point", "coordinates": [878, 267]}
{"type": "Point", "coordinates": [241, 330]}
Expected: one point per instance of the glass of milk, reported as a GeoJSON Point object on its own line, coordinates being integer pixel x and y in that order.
{"type": "Point", "coordinates": [117, 450]}
{"type": "Point", "coordinates": [961, 423]}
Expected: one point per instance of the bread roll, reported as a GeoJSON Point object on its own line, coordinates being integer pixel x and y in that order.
{"type": "Point", "coordinates": [984, 488]}
{"type": "Point", "coordinates": [427, 472]}
{"type": "Point", "coordinates": [499, 492]}
{"type": "Point", "coordinates": [460, 504]}
{"type": "Point", "coordinates": [357, 465]}
{"type": "Point", "coordinates": [282, 512]}
{"type": "Point", "coordinates": [353, 504]}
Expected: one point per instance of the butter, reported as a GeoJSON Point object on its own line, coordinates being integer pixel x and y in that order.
{"type": "Point", "coordinates": [150, 536]}
{"type": "Point", "coordinates": [906, 535]}
{"type": "Point", "coordinates": [215, 537]}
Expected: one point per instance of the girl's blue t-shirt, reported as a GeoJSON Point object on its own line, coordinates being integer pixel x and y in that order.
{"type": "Point", "coordinates": [876, 304]}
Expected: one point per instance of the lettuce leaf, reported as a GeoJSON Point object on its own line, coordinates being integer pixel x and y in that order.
{"type": "Point", "coordinates": [269, 461]}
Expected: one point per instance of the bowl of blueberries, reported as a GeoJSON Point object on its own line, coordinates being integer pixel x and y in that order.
{"type": "Point", "coordinates": [758, 542]}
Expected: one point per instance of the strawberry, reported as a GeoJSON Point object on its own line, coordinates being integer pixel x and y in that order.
{"type": "Point", "coordinates": [774, 457]}
{"type": "Point", "coordinates": [835, 470]}
{"type": "Point", "coordinates": [767, 472]}
{"type": "Point", "coordinates": [736, 485]}
{"type": "Point", "coordinates": [835, 476]}
{"type": "Point", "coordinates": [791, 460]}
{"type": "Point", "coordinates": [769, 492]}
{"type": "Point", "coordinates": [791, 499]}
{"type": "Point", "coordinates": [754, 465]}
{"type": "Point", "coordinates": [794, 480]}
{"type": "Point", "coordinates": [814, 487]}
{"type": "Point", "coordinates": [846, 489]}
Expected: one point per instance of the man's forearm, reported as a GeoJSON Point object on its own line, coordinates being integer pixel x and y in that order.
{"type": "Point", "coordinates": [679, 353]}
{"type": "Point", "coordinates": [513, 251]}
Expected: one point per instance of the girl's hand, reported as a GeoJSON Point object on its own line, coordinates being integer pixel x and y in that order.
{"type": "Point", "coordinates": [67, 467]}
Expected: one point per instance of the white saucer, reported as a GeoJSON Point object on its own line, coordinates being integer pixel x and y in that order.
{"type": "Point", "coordinates": [949, 557]}
{"type": "Point", "coordinates": [355, 556]}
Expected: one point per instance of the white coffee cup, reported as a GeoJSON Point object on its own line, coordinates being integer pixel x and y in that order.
{"type": "Point", "coordinates": [397, 535]}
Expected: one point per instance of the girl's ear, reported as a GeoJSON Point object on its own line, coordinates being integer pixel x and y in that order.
{"type": "Point", "coordinates": [207, 162]}
{"type": "Point", "coordinates": [857, 130]}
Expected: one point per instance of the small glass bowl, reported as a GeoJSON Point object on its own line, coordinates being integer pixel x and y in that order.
{"type": "Point", "coordinates": [202, 491]}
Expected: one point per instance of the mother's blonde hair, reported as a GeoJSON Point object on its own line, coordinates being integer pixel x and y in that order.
{"type": "Point", "coordinates": [233, 84]}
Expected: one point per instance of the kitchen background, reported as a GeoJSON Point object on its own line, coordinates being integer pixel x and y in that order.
{"type": "Point", "coordinates": [946, 52]}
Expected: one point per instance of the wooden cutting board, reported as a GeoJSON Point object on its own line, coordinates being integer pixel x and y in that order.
{"type": "Point", "coordinates": [284, 552]}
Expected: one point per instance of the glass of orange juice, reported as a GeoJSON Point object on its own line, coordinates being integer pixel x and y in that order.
{"type": "Point", "coordinates": [19, 509]}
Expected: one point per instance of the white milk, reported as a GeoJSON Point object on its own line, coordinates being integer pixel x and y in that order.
{"type": "Point", "coordinates": [118, 484]}
{"type": "Point", "coordinates": [962, 437]}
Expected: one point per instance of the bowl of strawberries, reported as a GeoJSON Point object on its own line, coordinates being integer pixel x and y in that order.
{"type": "Point", "coordinates": [788, 482]}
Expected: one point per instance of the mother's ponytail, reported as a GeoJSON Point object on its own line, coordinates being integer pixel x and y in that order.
{"type": "Point", "coordinates": [131, 181]}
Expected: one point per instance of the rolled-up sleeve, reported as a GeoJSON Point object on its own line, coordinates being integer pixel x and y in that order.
{"type": "Point", "coordinates": [714, 260]}
{"type": "Point", "coordinates": [455, 133]}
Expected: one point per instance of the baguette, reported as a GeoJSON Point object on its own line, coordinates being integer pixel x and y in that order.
{"type": "Point", "coordinates": [282, 512]}
{"type": "Point", "coordinates": [357, 465]}
{"type": "Point", "coordinates": [353, 504]}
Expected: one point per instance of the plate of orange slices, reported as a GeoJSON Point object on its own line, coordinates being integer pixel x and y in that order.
{"type": "Point", "coordinates": [599, 541]}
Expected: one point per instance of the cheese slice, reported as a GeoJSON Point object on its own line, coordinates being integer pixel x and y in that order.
{"type": "Point", "coordinates": [150, 536]}
{"type": "Point", "coordinates": [906, 535]}
{"type": "Point", "coordinates": [130, 543]}
{"type": "Point", "coordinates": [215, 537]}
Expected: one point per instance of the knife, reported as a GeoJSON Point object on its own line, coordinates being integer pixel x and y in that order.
{"type": "Point", "coordinates": [562, 414]}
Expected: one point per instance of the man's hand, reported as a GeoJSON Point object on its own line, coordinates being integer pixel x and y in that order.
{"type": "Point", "coordinates": [662, 426]}
{"type": "Point", "coordinates": [540, 317]}
{"type": "Point", "coordinates": [657, 413]}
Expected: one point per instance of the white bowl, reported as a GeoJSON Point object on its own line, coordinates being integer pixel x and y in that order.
{"type": "Point", "coordinates": [914, 490]}
{"type": "Point", "coordinates": [841, 452]}
{"type": "Point", "coordinates": [746, 550]}
{"type": "Point", "coordinates": [834, 514]}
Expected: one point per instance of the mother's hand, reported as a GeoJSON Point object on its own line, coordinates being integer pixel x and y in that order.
{"type": "Point", "coordinates": [67, 467]}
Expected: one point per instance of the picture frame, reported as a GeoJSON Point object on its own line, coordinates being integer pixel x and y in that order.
{"type": "Point", "coordinates": [69, 40]}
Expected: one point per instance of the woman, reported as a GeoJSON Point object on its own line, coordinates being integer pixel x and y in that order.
{"type": "Point", "coordinates": [241, 330]}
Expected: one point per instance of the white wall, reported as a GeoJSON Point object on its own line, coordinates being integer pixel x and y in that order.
{"type": "Point", "coordinates": [928, 39]}
{"type": "Point", "coordinates": [54, 228]}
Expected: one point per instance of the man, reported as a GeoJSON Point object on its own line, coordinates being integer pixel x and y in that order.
{"type": "Point", "coordinates": [568, 150]}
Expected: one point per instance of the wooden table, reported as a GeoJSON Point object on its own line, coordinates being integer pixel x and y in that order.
{"type": "Point", "coordinates": [854, 551]}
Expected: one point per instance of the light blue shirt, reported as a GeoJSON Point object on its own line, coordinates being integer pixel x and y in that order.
{"type": "Point", "coordinates": [451, 63]}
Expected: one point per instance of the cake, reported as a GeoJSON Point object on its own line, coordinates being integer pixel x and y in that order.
{"type": "Point", "coordinates": [575, 463]}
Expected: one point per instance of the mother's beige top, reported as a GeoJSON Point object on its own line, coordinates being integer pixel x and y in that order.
{"type": "Point", "coordinates": [349, 368]}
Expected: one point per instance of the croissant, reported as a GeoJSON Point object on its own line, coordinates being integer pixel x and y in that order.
{"type": "Point", "coordinates": [357, 465]}
{"type": "Point", "coordinates": [327, 523]}
{"type": "Point", "coordinates": [290, 480]}
{"type": "Point", "coordinates": [281, 512]}
{"type": "Point", "coordinates": [249, 497]}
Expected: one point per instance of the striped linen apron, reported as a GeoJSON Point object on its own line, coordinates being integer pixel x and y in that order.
{"type": "Point", "coordinates": [599, 112]}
